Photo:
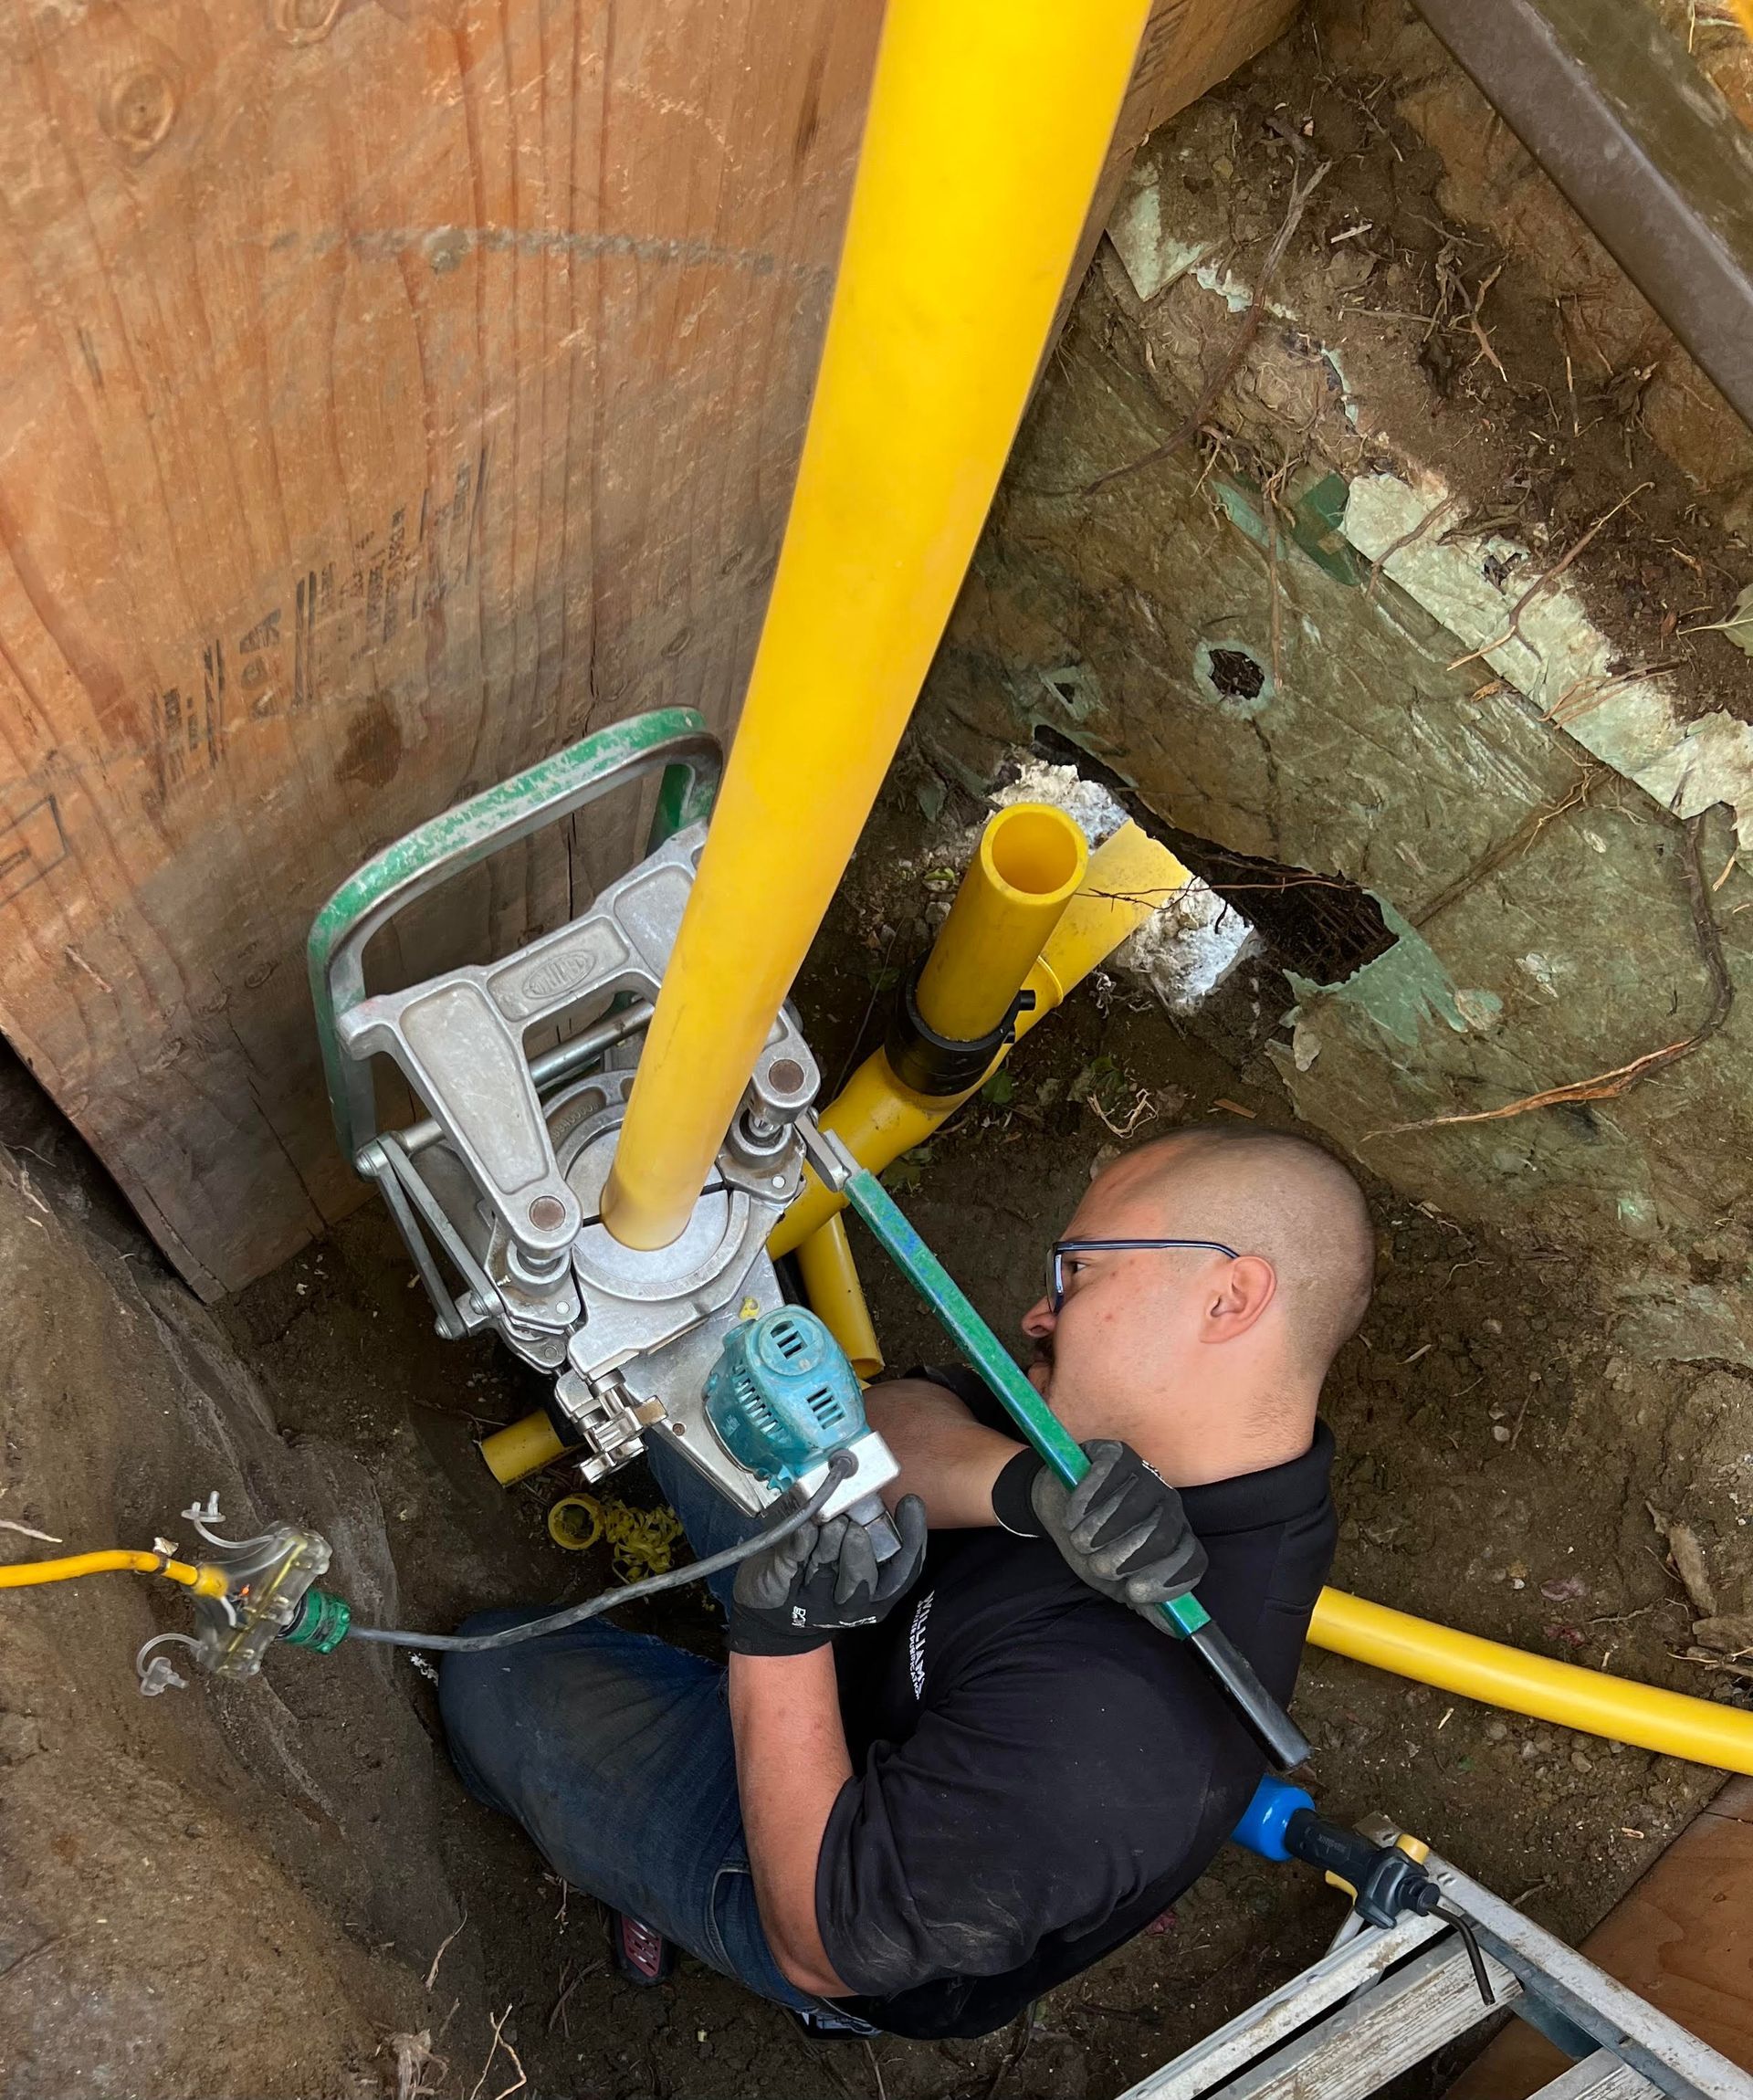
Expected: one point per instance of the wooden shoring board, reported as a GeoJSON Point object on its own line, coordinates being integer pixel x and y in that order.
{"type": "Point", "coordinates": [395, 390]}
{"type": "Point", "coordinates": [1681, 1938]}
{"type": "Point", "coordinates": [1601, 2076]}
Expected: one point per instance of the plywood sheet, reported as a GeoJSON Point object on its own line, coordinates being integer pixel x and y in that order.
{"type": "Point", "coordinates": [396, 389]}
{"type": "Point", "coordinates": [1683, 1938]}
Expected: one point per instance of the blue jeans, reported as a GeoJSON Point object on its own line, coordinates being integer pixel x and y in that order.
{"type": "Point", "coordinates": [614, 1751]}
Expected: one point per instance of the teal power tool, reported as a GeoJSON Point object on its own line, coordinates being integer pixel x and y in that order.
{"type": "Point", "coordinates": [1278, 1736]}
{"type": "Point", "coordinates": [783, 1400]}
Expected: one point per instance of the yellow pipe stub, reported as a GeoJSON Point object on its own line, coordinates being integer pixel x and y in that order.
{"type": "Point", "coordinates": [521, 1448]}
{"type": "Point", "coordinates": [838, 1297]}
{"type": "Point", "coordinates": [1031, 862]}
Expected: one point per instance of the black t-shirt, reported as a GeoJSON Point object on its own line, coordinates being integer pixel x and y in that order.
{"type": "Point", "coordinates": [1039, 1772]}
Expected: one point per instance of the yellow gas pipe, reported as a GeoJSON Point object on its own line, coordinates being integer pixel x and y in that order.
{"type": "Point", "coordinates": [838, 1297]}
{"type": "Point", "coordinates": [1029, 863]}
{"type": "Point", "coordinates": [988, 124]}
{"type": "Point", "coordinates": [1671, 1722]}
{"type": "Point", "coordinates": [878, 1119]}
{"type": "Point", "coordinates": [522, 1448]}
{"type": "Point", "coordinates": [204, 1581]}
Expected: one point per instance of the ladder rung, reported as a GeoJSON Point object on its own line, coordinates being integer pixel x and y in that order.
{"type": "Point", "coordinates": [1601, 2076]}
{"type": "Point", "coordinates": [1355, 1965]}
{"type": "Point", "coordinates": [1361, 2045]}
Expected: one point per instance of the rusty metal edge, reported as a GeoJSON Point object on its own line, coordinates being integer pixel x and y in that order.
{"type": "Point", "coordinates": [1642, 144]}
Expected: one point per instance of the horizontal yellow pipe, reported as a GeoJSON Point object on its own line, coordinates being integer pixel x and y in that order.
{"type": "Point", "coordinates": [988, 124]}
{"type": "Point", "coordinates": [112, 1560]}
{"type": "Point", "coordinates": [1025, 870]}
{"type": "Point", "coordinates": [838, 1297]}
{"type": "Point", "coordinates": [1496, 1675]}
{"type": "Point", "coordinates": [522, 1448]}
{"type": "Point", "coordinates": [878, 1119]}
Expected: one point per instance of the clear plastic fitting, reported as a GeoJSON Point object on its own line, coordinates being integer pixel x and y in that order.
{"type": "Point", "coordinates": [265, 1580]}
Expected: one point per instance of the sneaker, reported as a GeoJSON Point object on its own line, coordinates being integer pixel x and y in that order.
{"type": "Point", "coordinates": [825, 2024]}
{"type": "Point", "coordinates": [642, 1956]}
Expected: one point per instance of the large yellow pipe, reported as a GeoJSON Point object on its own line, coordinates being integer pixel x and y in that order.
{"type": "Point", "coordinates": [1027, 868]}
{"type": "Point", "coordinates": [878, 1119]}
{"type": "Point", "coordinates": [988, 122]}
{"type": "Point", "coordinates": [1671, 1722]}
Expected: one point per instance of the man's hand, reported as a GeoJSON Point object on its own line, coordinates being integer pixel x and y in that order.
{"type": "Point", "coordinates": [1121, 1529]}
{"type": "Point", "coordinates": [824, 1578]}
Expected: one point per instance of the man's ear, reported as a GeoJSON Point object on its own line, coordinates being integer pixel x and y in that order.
{"type": "Point", "coordinates": [1249, 1286]}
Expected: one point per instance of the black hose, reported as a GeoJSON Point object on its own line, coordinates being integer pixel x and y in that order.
{"type": "Point", "coordinates": [839, 1467]}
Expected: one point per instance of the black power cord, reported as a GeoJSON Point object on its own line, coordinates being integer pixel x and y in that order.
{"type": "Point", "coordinates": [839, 1467]}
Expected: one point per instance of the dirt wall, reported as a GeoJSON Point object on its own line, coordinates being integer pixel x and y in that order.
{"type": "Point", "coordinates": [1403, 589]}
{"type": "Point", "coordinates": [229, 1890]}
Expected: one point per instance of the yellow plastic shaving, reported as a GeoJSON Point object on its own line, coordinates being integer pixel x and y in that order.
{"type": "Point", "coordinates": [641, 1539]}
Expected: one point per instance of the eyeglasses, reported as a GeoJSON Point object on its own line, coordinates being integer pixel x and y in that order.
{"type": "Point", "coordinates": [1061, 1249]}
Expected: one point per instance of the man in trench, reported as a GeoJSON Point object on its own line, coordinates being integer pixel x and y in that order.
{"type": "Point", "coordinates": [916, 1801]}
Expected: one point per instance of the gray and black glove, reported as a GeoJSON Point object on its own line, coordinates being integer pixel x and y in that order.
{"type": "Point", "coordinates": [1121, 1529]}
{"type": "Point", "coordinates": [804, 1589]}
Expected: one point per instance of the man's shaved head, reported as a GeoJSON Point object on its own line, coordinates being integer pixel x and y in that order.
{"type": "Point", "coordinates": [1262, 1192]}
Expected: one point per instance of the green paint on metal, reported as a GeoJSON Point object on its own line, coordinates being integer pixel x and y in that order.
{"type": "Point", "coordinates": [475, 828]}
{"type": "Point", "coordinates": [685, 796]}
{"type": "Point", "coordinates": [1045, 1432]}
{"type": "Point", "coordinates": [1405, 989]}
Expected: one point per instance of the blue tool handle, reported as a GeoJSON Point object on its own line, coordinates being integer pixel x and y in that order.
{"type": "Point", "coordinates": [1278, 1736]}
{"type": "Point", "coordinates": [1267, 1818]}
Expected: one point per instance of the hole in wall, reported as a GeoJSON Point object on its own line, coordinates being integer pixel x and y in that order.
{"type": "Point", "coordinates": [1236, 676]}
{"type": "Point", "coordinates": [1230, 673]}
{"type": "Point", "coordinates": [1316, 926]}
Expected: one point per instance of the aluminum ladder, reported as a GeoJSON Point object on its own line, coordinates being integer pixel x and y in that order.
{"type": "Point", "coordinates": [1380, 2002]}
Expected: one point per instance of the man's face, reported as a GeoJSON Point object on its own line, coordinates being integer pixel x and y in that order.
{"type": "Point", "coordinates": [1128, 1317]}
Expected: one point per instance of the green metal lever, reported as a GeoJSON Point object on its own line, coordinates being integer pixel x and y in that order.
{"type": "Point", "coordinates": [1185, 1617]}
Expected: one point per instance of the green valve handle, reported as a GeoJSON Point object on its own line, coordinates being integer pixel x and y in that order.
{"type": "Point", "coordinates": [1284, 1744]}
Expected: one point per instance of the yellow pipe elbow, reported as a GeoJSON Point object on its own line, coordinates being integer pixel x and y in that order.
{"type": "Point", "coordinates": [1671, 1722]}
{"type": "Point", "coordinates": [838, 1297]}
{"type": "Point", "coordinates": [987, 127]}
{"type": "Point", "coordinates": [521, 1448]}
{"type": "Point", "coordinates": [878, 1118]}
{"type": "Point", "coordinates": [1030, 861]}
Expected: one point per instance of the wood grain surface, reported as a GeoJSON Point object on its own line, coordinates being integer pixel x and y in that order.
{"type": "Point", "coordinates": [396, 389]}
{"type": "Point", "coordinates": [1681, 1938]}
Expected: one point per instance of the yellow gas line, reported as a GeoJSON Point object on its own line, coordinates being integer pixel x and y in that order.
{"type": "Point", "coordinates": [838, 1297]}
{"type": "Point", "coordinates": [113, 1560]}
{"type": "Point", "coordinates": [988, 124]}
{"type": "Point", "coordinates": [878, 1119]}
{"type": "Point", "coordinates": [1671, 1722]}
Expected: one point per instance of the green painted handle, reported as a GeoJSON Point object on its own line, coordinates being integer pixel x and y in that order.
{"type": "Point", "coordinates": [675, 739]}
{"type": "Point", "coordinates": [1185, 1617]}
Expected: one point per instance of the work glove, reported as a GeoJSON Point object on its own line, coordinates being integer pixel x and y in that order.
{"type": "Point", "coordinates": [804, 1588]}
{"type": "Point", "coordinates": [1121, 1529]}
